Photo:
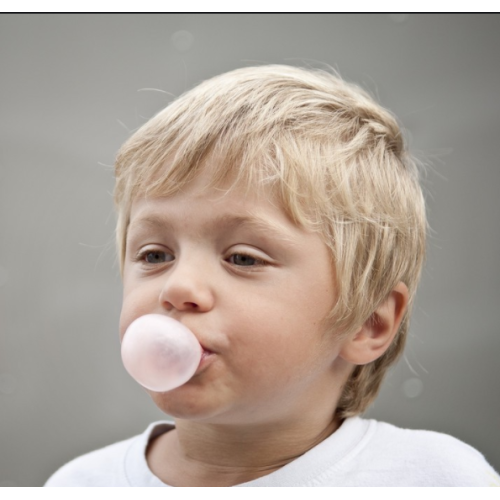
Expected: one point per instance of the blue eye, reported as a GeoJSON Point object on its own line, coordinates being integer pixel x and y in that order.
{"type": "Point", "coordinates": [240, 259]}
{"type": "Point", "coordinates": [156, 257]}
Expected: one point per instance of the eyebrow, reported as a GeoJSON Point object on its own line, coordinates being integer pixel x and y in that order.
{"type": "Point", "coordinates": [256, 222]}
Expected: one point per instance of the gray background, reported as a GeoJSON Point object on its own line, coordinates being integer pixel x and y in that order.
{"type": "Point", "coordinates": [71, 91]}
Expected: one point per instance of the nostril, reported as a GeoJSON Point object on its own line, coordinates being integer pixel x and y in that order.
{"type": "Point", "coordinates": [183, 295]}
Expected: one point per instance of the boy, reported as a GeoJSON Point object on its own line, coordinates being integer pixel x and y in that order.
{"type": "Point", "coordinates": [276, 213]}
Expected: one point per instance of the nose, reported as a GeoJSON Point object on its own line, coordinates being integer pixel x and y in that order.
{"type": "Point", "coordinates": [187, 287]}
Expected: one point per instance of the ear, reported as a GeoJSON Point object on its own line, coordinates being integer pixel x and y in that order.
{"type": "Point", "coordinates": [377, 333]}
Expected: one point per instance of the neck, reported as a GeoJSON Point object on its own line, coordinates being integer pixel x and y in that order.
{"type": "Point", "coordinates": [196, 454]}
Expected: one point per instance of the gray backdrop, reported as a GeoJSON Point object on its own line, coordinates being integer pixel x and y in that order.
{"type": "Point", "coordinates": [72, 89]}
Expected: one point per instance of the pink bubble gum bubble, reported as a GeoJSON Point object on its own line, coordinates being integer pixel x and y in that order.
{"type": "Point", "coordinates": [160, 353]}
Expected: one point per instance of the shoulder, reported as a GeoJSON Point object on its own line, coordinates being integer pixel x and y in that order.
{"type": "Point", "coordinates": [103, 467]}
{"type": "Point", "coordinates": [430, 458]}
{"type": "Point", "coordinates": [119, 464]}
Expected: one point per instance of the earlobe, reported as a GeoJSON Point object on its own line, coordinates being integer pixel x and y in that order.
{"type": "Point", "coordinates": [377, 333]}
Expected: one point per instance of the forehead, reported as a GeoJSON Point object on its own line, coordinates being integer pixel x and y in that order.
{"type": "Point", "coordinates": [212, 182]}
{"type": "Point", "coordinates": [200, 204]}
{"type": "Point", "coordinates": [243, 194]}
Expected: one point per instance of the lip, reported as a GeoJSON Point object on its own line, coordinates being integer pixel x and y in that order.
{"type": "Point", "coordinates": [207, 357]}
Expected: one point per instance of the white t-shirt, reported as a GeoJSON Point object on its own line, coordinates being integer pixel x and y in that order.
{"type": "Point", "coordinates": [359, 453]}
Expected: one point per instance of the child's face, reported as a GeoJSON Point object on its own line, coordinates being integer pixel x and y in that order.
{"type": "Point", "coordinates": [254, 289]}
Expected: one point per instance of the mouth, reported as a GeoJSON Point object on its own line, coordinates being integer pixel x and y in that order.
{"type": "Point", "coordinates": [206, 353]}
{"type": "Point", "coordinates": [206, 357]}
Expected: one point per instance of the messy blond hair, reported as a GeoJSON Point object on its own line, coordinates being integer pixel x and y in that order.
{"type": "Point", "coordinates": [334, 159]}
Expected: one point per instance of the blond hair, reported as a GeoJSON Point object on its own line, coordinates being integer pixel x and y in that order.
{"type": "Point", "coordinates": [333, 157]}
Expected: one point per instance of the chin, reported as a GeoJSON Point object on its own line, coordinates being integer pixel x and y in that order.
{"type": "Point", "coordinates": [188, 403]}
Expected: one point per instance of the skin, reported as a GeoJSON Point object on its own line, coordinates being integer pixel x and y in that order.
{"type": "Point", "coordinates": [254, 288]}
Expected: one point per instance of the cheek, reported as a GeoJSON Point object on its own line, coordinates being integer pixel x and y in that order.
{"type": "Point", "coordinates": [295, 331]}
{"type": "Point", "coordinates": [303, 306]}
{"type": "Point", "coordinates": [125, 320]}
{"type": "Point", "coordinates": [271, 340]}
{"type": "Point", "coordinates": [124, 323]}
{"type": "Point", "coordinates": [136, 302]}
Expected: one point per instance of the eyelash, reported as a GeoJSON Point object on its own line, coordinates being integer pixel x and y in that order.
{"type": "Point", "coordinates": [258, 262]}
{"type": "Point", "coordinates": [141, 257]}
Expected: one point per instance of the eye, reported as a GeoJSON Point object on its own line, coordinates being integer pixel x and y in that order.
{"type": "Point", "coordinates": [241, 259]}
{"type": "Point", "coordinates": [155, 257]}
